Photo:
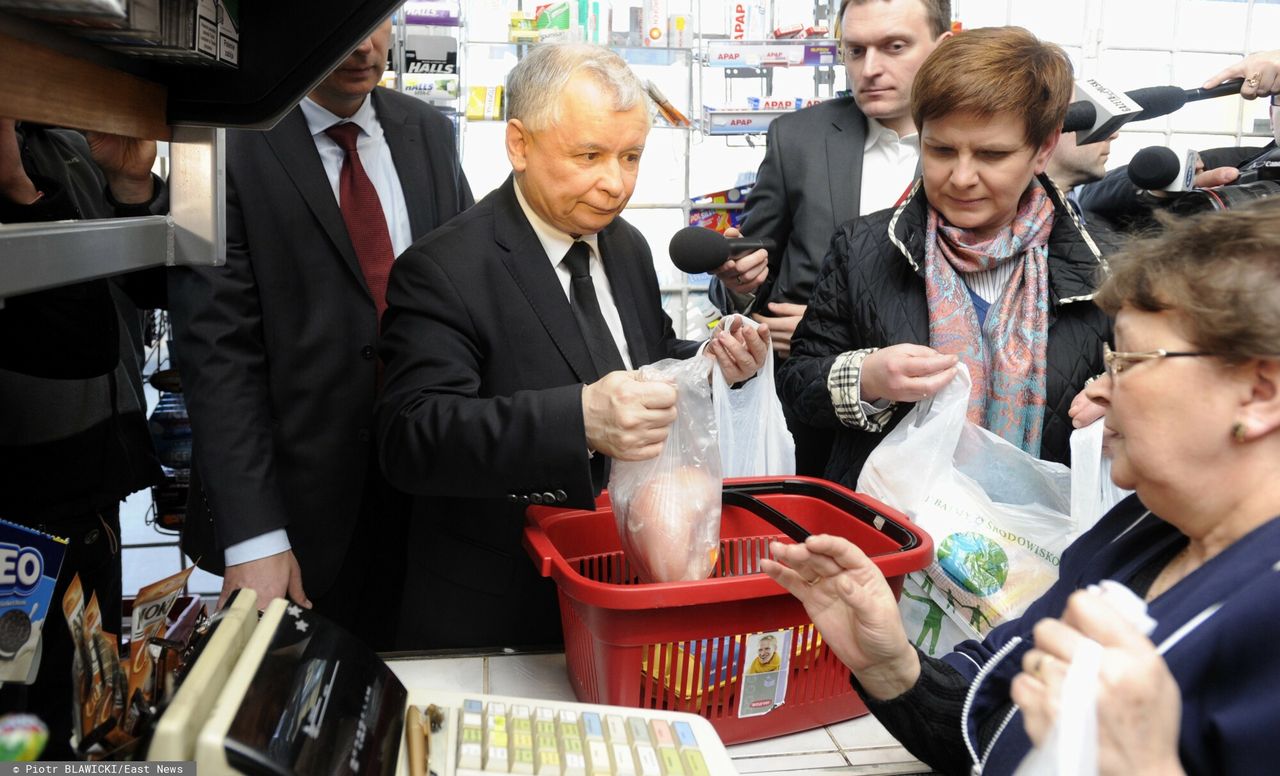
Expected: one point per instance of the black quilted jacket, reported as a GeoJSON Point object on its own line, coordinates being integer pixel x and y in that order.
{"type": "Point", "coordinates": [871, 294]}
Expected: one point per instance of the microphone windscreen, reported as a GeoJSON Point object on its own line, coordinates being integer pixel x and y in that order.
{"type": "Point", "coordinates": [1081, 115]}
{"type": "Point", "coordinates": [696, 249]}
{"type": "Point", "coordinates": [1154, 167]}
{"type": "Point", "coordinates": [1157, 101]}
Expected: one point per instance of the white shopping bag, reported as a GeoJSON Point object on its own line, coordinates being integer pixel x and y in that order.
{"type": "Point", "coordinates": [754, 439]}
{"type": "Point", "coordinates": [999, 517]}
{"type": "Point", "coordinates": [1092, 491]}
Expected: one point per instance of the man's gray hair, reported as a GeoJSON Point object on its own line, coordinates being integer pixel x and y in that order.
{"type": "Point", "coordinates": [534, 85]}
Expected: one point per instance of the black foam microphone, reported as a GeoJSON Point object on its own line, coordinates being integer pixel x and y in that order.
{"type": "Point", "coordinates": [1157, 168]}
{"type": "Point", "coordinates": [696, 249]}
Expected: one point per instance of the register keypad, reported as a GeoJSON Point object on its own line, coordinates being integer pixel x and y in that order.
{"type": "Point", "coordinates": [496, 737]}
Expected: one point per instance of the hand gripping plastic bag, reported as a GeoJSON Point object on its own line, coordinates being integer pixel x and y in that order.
{"type": "Point", "coordinates": [754, 439]}
{"type": "Point", "coordinates": [1071, 748]}
{"type": "Point", "coordinates": [1000, 518]}
{"type": "Point", "coordinates": [667, 508]}
{"type": "Point", "coordinates": [1092, 491]}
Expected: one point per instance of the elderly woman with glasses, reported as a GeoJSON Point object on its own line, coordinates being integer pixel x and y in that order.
{"type": "Point", "coordinates": [1193, 388]}
{"type": "Point", "coordinates": [982, 263]}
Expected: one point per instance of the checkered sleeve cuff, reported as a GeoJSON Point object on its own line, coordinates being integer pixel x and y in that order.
{"type": "Point", "coordinates": [843, 383]}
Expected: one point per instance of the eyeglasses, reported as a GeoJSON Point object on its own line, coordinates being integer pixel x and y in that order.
{"type": "Point", "coordinates": [1118, 361]}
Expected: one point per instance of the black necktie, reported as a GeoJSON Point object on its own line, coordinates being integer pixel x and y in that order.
{"type": "Point", "coordinates": [586, 308]}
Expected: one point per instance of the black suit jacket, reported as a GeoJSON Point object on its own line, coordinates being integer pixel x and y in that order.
{"type": "Point", "coordinates": [277, 349]}
{"type": "Point", "coordinates": [809, 183]}
{"type": "Point", "coordinates": [482, 410]}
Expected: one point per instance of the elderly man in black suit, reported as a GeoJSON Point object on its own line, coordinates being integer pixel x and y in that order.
{"type": "Point", "coordinates": [509, 339]}
{"type": "Point", "coordinates": [277, 349]}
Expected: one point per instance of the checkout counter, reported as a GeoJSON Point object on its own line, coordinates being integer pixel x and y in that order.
{"type": "Point", "coordinates": [850, 748]}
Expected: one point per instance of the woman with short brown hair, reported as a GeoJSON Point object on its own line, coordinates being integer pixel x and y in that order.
{"type": "Point", "coordinates": [982, 263]}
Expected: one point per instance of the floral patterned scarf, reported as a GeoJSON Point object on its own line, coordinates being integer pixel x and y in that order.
{"type": "Point", "coordinates": [1006, 353]}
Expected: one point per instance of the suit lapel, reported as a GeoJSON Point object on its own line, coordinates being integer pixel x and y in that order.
{"type": "Point", "coordinates": [404, 138]}
{"type": "Point", "coordinates": [531, 269]}
{"type": "Point", "coordinates": [291, 142]}
{"type": "Point", "coordinates": [844, 142]}
{"type": "Point", "coordinates": [612, 255]}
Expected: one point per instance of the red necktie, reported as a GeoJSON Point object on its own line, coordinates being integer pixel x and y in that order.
{"type": "Point", "coordinates": [362, 212]}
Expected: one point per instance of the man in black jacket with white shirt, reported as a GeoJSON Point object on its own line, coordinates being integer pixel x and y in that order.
{"type": "Point", "coordinates": [277, 349]}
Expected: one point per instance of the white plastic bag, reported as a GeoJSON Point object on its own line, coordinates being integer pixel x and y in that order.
{"type": "Point", "coordinates": [1092, 491]}
{"type": "Point", "coordinates": [754, 439]}
{"type": "Point", "coordinates": [999, 517]}
{"type": "Point", "coordinates": [667, 508]}
{"type": "Point", "coordinates": [1071, 748]}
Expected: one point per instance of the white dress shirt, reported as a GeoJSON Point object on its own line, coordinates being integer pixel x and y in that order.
{"type": "Point", "coordinates": [556, 244]}
{"type": "Point", "coordinates": [375, 157]}
{"type": "Point", "coordinates": [888, 167]}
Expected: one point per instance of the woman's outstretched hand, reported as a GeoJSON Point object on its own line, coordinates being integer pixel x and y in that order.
{"type": "Point", "coordinates": [849, 600]}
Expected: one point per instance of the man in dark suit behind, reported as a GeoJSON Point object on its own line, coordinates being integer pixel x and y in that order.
{"type": "Point", "coordinates": [509, 337]}
{"type": "Point", "coordinates": [830, 163]}
{"type": "Point", "coordinates": [277, 349]}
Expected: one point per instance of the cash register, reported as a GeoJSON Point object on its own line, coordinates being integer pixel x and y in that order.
{"type": "Point", "coordinates": [291, 693]}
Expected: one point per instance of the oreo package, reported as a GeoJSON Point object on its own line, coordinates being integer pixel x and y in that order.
{"type": "Point", "coordinates": [29, 564]}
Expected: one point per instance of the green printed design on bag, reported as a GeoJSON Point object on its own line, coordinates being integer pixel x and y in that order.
{"type": "Point", "coordinates": [974, 561]}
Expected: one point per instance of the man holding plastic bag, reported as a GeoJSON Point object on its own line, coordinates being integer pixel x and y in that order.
{"type": "Point", "coordinates": [509, 342]}
{"type": "Point", "coordinates": [668, 507]}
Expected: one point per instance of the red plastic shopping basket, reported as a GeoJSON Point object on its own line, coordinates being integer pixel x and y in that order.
{"type": "Point", "coordinates": [681, 645]}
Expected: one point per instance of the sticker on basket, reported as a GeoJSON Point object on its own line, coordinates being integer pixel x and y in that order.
{"type": "Point", "coordinates": [764, 682]}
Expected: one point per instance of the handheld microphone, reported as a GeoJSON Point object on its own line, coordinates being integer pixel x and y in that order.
{"type": "Point", "coordinates": [1100, 112]}
{"type": "Point", "coordinates": [1224, 89]}
{"type": "Point", "coordinates": [1157, 168]}
{"type": "Point", "coordinates": [696, 249]}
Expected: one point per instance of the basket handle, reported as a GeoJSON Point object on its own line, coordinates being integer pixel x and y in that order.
{"type": "Point", "coordinates": [540, 549]}
{"type": "Point", "coordinates": [734, 497]}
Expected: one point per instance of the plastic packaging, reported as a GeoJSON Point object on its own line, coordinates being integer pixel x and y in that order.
{"type": "Point", "coordinates": [754, 438]}
{"type": "Point", "coordinates": [667, 508]}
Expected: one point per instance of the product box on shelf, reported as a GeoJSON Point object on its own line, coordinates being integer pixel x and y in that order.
{"type": "Point", "coordinates": [748, 20]}
{"type": "Point", "coordinates": [655, 23]}
{"type": "Point", "coordinates": [680, 30]}
{"type": "Point", "coordinates": [709, 210]}
{"type": "Point", "coordinates": [29, 564]}
{"type": "Point", "coordinates": [439, 13]}
{"type": "Point", "coordinates": [522, 28]}
{"type": "Point", "coordinates": [431, 66]}
{"type": "Point", "coordinates": [484, 102]}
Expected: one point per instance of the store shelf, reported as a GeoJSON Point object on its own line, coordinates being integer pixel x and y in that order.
{"type": "Point", "coordinates": [50, 76]}
{"type": "Point", "coordinates": [43, 255]}
{"type": "Point", "coordinates": [737, 121]}
{"type": "Point", "coordinates": [809, 52]}
{"type": "Point", "coordinates": [660, 56]}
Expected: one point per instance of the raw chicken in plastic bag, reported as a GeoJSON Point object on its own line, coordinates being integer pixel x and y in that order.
{"type": "Point", "coordinates": [667, 508]}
